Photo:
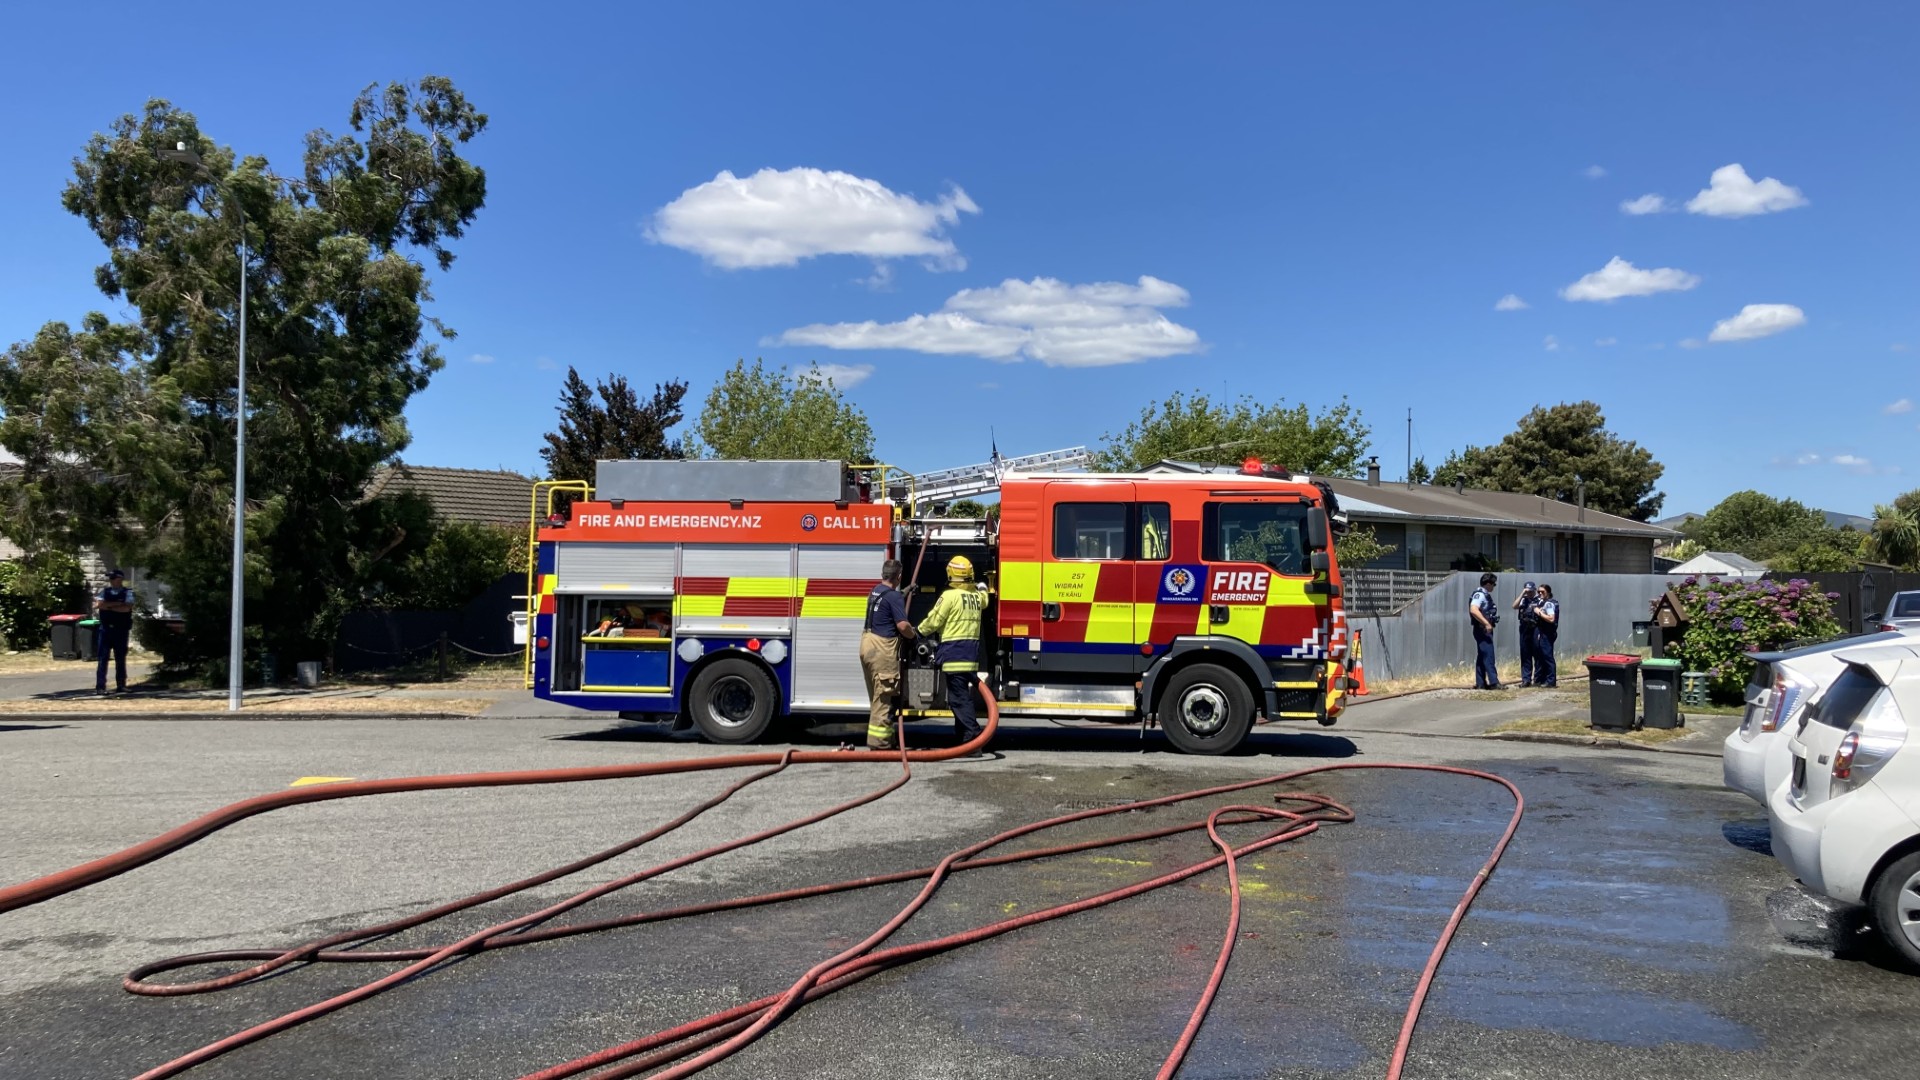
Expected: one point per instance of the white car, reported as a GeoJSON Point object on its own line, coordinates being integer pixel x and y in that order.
{"type": "Point", "coordinates": [1753, 759]}
{"type": "Point", "coordinates": [1847, 822]}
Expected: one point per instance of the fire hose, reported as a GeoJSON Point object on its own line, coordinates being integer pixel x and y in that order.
{"type": "Point", "coordinates": [723, 1033]}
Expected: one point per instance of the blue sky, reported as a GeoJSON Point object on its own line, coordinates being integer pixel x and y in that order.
{"type": "Point", "coordinates": [1322, 201]}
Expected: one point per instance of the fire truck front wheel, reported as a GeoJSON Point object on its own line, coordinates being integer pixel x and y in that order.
{"type": "Point", "coordinates": [732, 701]}
{"type": "Point", "coordinates": [1206, 710]}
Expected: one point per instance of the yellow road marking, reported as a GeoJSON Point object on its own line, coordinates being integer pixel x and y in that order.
{"type": "Point", "coordinates": [309, 781]}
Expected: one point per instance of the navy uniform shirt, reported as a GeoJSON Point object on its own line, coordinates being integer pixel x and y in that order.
{"type": "Point", "coordinates": [886, 610]}
{"type": "Point", "coordinates": [112, 594]}
{"type": "Point", "coordinates": [1550, 608]}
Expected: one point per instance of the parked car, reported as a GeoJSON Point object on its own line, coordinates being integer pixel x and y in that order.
{"type": "Point", "coordinates": [1754, 758]}
{"type": "Point", "coordinates": [1847, 821]}
{"type": "Point", "coordinates": [1903, 611]}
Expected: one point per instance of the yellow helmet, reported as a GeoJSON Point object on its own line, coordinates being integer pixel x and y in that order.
{"type": "Point", "coordinates": [960, 568]}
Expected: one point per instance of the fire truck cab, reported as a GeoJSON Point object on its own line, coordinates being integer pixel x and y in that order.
{"type": "Point", "coordinates": [724, 594]}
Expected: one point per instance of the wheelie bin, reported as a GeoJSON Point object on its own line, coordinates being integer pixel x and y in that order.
{"type": "Point", "coordinates": [64, 631]}
{"type": "Point", "coordinates": [1660, 689]}
{"type": "Point", "coordinates": [1613, 691]}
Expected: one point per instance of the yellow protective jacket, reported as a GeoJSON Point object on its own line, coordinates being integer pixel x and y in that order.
{"type": "Point", "coordinates": [955, 620]}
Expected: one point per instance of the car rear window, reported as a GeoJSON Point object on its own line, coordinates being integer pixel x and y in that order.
{"type": "Point", "coordinates": [1846, 699]}
{"type": "Point", "coordinates": [1906, 606]}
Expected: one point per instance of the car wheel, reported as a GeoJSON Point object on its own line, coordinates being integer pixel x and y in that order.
{"type": "Point", "coordinates": [732, 701]}
{"type": "Point", "coordinates": [1206, 710]}
{"type": "Point", "coordinates": [1896, 906]}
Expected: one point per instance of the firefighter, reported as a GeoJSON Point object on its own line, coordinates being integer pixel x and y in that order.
{"type": "Point", "coordinates": [880, 654]}
{"type": "Point", "coordinates": [955, 622]}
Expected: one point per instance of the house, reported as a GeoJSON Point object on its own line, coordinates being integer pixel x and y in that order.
{"type": "Point", "coordinates": [1724, 564]}
{"type": "Point", "coordinates": [476, 496]}
{"type": "Point", "coordinates": [1435, 528]}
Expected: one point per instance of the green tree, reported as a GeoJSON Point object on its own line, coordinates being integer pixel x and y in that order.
{"type": "Point", "coordinates": [1359, 546]}
{"type": "Point", "coordinates": [1552, 450]}
{"type": "Point", "coordinates": [48, 583]}
{"type": "Point", "coordinates": [1419, 473]}
{"type": "Point", "coordinates": [618, 426]}
{"type": "Point", "coordinates": [1896, 532]}
{"type": "Point", "coordinates": [967, 508]}
{"type": "Point", "coordinates": [126, 430]}
{"type": "Point", "coordinates": [1196, 428]}
{"type": "Point", "coordinates": [772, 415]}
{"type": "Point", "coordinates": [455, 566]}
{"type": "Point", "coordinates": [1779, 532]}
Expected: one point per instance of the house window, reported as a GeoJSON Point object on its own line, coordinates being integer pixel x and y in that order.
{"type": "Point", "coordinates": [1592, 565]}
{"type": "Point", "coordinates": [1488, 544]}
{"type": "Point", "coordinates": [1416, 547]}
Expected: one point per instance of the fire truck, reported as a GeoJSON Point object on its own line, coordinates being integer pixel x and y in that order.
{"type": "Point", "coordinates": [722, 595]}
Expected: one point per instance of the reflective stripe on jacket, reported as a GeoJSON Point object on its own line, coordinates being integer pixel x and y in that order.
{"type": "Point", "coordinates": [955, 620]}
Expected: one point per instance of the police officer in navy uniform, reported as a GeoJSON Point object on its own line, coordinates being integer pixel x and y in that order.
{"type": "Point", "coordinates": [1527, 604]}
{"type": "Point", "coordinates": [1546, 627]}
{"type": "Point", "coordinates": [113, 607]}
{"type": "Point", "coordinates": [880, 654]}
{"type": "Point", "coordinates": [1485, 615]}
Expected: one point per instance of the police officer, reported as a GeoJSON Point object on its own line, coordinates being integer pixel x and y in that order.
{"type": "Point", "coordinates": [113, 607]}
{"type": "Point", "coordinates": [1528, 604]}
{"type": "Point", "coordinates": [1546, 632]}
{"type": "Point", "coordinates": [1485, 615]}
{"type": "Point", "coordinates": [955, 621]}
{"type": "Point", "coordinates": [880, 654]}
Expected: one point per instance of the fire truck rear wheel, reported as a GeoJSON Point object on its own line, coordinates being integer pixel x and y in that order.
{"type": "Point", "coordinates": [732, 701]}
{"type": "Point", "coordinates": [1206, 710]}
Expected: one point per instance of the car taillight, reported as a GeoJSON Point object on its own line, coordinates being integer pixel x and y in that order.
{"type": "Point", "coordinates": [1843, 757]}
{"type": "Point", "coordinates": [1786, 695]}
{"type": "Point", "coordinates": [1887, 626]}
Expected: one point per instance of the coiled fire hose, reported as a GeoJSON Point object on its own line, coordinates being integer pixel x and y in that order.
{"type": "Point", "coordinates": [700, 1043]}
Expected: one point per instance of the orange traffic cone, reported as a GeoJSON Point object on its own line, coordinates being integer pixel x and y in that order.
{"type": "Point", "coordinates": [1359, 669]}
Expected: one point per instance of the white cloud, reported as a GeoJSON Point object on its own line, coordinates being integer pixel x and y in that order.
{"type": "Point", "coordinates": [1732, 193]}
{"type": "Point", "coordinates": [989, 386]}
{"type": "Point", "coordinates": [1758, 321]}
{"type": "Point", "coordinates": [1509, 302]}
{"type": "Point", "coordinates": [843, 376]}
{"type": "Point", "coordinates": [1048, 320]}
{"type": "Point", "coordinates": [1606, 341]}
{"type": "Point", "coordinates": [1646, 204]}
{"type": "Point", "coordinates": [1898, 346]}
{"type": "Point", "coordinates": [1691, 343]}
{"type": "Point", "coordinates": [1550, 343]}
{"type": "Point", "coordinates": [779, 217]}
{"type": "Point", "coordinates": [1904, 405]}
{"type": "Point", "coordinates": [546, 363]}
{"type": "Point", "coordinates": [1853, 463]}
{"type": "Point", "coordinates": [1593, 172]}
{"type": "Point", "coordinates": [480, 358]}
{"type": "Point", "coordinates": [1621, 278]}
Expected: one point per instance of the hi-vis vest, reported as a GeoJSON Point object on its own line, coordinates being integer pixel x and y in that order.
{"type": "Point", "coordinates": [955, 620]}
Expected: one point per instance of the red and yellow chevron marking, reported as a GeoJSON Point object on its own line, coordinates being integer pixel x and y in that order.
{"type": "Point", "coordinates": [543, 588]}
{"type": "Point", "coordinates": [773, 597]}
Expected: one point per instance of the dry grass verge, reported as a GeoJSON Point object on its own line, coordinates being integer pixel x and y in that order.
{"type": "Point", "coordinates": [1546, 725]}
{"type": "Point", "coordinates": [383, 705]}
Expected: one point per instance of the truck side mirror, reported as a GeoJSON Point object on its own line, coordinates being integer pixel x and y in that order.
{"type": "Point", "coordinates": [1316, 529]}
{"type": "Point", "coordinates": [1319, 563]}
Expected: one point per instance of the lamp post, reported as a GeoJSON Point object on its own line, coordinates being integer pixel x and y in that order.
{"type": "Point", "coordinates": [235, 660]}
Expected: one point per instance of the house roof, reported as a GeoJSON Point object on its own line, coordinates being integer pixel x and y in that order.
{"type": "Point", "coordinates": [1720, 562]}
{"type": "Point", "coordinates": [480, 496]}
{"type": "Point", "coordinates": [1473, 506]}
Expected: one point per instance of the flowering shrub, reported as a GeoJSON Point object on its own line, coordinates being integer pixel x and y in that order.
{"type": "Point", "coordinates": [1730, 618]}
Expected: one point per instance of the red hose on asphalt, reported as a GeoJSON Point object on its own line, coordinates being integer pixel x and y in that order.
{"type": "Point", "coordinates": [734, 1028]}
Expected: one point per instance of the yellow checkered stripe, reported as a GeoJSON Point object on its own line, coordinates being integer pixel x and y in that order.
{"type": "Point", "coordinates": [818, 598]}
{"type": "Point", "coordinates": [1121, 623]}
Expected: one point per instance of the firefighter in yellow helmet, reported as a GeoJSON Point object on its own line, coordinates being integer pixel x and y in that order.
{"type": "Point", "coordinates": [955, 622]}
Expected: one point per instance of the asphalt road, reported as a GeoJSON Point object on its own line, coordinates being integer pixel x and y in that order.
{"type": "Point", "coordinates": [1636, 928]}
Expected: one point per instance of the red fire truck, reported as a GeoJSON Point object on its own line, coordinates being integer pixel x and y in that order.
{"type": "Point", "coordinates": [724, 594]}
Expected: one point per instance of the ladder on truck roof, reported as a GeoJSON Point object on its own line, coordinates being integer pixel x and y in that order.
{"type": "Point", "coordinates": [946, 485]}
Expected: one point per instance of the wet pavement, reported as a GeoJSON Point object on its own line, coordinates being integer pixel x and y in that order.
{"type": "Point", "coordinates": [1638, 926]}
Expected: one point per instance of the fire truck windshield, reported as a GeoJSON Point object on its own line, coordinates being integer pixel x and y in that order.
{"type": "Point", "coordinates": [1269, 533]}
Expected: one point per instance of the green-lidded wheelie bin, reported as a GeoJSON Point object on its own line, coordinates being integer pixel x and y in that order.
{"type": "Point", "coordinates": [1613, 691]}
{"type": "Point", "coordinates": [1660, 690]}
{"type": "Point", "coordinates": [87, 637]}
